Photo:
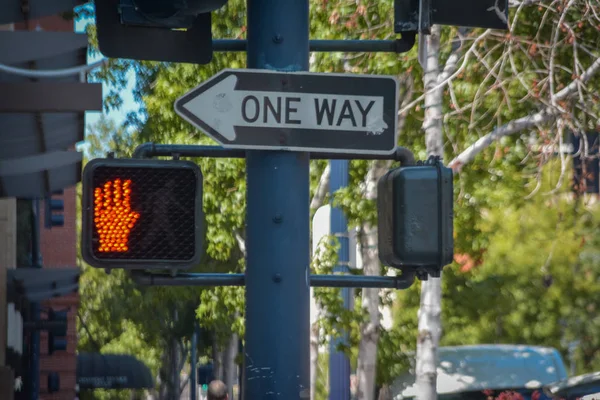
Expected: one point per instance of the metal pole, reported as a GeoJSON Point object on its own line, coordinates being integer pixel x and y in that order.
{"type": "Point", "coordinates": [339, 363]}
{"type": "Point", "coordinates": [36, 262]}
{"type": "Point", "coordinates": [194, 372]}
{"type": "Point", "coordinates": [277, 364]}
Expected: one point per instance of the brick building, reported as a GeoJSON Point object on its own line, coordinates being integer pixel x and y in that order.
{"type": "Point", "coordinates": [58, 250]}
{"type": "Point", "coordinates": [39, 139]}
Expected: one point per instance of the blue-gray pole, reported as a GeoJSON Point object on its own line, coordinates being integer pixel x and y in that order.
{"type": "Point", "coordinates": [36, 262]}
{"type": "Point", "coordinates": [339, 364]}
{"type": "Point", "coordinates": [277, 344]}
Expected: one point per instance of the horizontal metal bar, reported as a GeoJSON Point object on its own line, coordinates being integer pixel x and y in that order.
{"type": "Point", "coordinates": [212, 279]}
{"type": "Point", "coordinates": [229, 44]}
{"type": "Point", "coordinates": [147, 150]}
{"type": "Point", "coordinates": [346, 46]}
{"type": "Point", "coordinates": [26, 97]}
{"type": "Point", "coordinates": [361, 281]}
{"type": "Point", "coordinates": [22, 46]}
{"type": "Point", "coordinates": [188, 279]}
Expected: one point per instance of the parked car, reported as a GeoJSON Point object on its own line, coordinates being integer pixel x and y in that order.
{"type": "Point", "coordinates": [585, 387]}
{"type": "Point", "coordinates": [479, 371]}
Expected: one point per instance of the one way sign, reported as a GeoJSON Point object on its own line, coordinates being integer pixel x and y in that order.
{"type": "Point", "coordinates": [258, 109]}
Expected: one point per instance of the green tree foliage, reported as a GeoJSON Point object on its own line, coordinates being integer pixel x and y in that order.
{"type": "Point", "coordinates": [536, 282]}
{"type": "Point", "coordinates": [506, 235]}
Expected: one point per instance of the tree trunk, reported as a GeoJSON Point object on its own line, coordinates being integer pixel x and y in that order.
{"type": "Point", "coordinates": [367, 348]}
{"type": "Point", "coordinates": [170, 370]}
{"type": "Point", "coordinates": [431, 291]}
{"type": "Point", "coordinates": [315, 204]}
{"type": "Point", "coordinates": [217, 360]}
{"type": "Point", "coordinates": [230, 366]}
{"type": "Point", "coordinates": [175, 379]}
{"type": "Point", "coordinates": [385, 393]}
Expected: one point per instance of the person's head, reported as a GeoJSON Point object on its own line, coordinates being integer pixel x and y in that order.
{"type": "Point", "coordinates": [217, 390]}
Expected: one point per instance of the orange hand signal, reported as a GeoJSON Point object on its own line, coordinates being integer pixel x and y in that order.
{"type": "Point", "coordinates": [113, 216]}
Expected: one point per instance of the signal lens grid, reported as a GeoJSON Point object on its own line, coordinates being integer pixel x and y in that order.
{"type": "Point", "coordinates": [113, 216]}
{"type": "Point", "coordinates": [144, 213]}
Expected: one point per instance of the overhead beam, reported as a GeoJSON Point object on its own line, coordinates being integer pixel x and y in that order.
{"type": "Point", "coordinates": [50, 97]}
{"type": "Point", "coordinates": [39, 162]}
{"type": "Point", "coordinates": [22, 46]}
{"type": "Point", "coordinates": [12, 9]}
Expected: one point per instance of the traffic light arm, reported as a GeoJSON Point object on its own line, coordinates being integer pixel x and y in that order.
{"type": "Point", "coordinates": [402, 45]}
{"type": "Point", "coordinates": [148, 150]}
{"type": "Point", "coordinates": [213, 279]}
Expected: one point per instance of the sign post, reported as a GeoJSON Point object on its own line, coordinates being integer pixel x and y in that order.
{"type": "Point", "coordinates": [276, 356]}
{"type": "Point", "coordinates": [301, 111]}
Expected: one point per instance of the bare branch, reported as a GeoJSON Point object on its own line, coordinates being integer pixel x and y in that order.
{"type": "Point", "coordinates": [484, 142]}
{"type": "Point", "coordinates": [527, 122]}
{"type": "Point", "coordinates": [452, 61]}
{"type": "Point", "coordinates": [586, 76]}
{"type": "Point", "coordinates": [443, 82]}
{"type": "Point", "coordinates": [241, 243]}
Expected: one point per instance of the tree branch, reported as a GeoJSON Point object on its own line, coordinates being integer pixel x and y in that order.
{"type": "Point", "coordinates": [484, 142]}
{"type": "Point", "coordinates": [87, 330]}
{"type": "Point", "coordinates": [527, 122]}
{"type": "Point", "coordinates": [322, 188]}
{"type": "Point", "coordinates": [241, 243]}
{"type": "Point", "coordinates": [442, 83]}
{"type": "Point", "coordinates": [452, 61]}
{"type": "Point", "coordinates": [185, 383]}
{"type": "Point", "coordinates": [586, 76]}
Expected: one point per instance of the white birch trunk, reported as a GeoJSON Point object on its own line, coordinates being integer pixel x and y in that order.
{"type": "Point", "coordinates": [367, 348]}
{"type": "Point", "coordinates": [316, 203]}
{"type": "Point", "coordinates": [431, 291]}
{"type": "Point", "coordinates": [314, 358]}
{"type": "Point", "coordinates": [385, 393]}
{"type": "Point", "coordinates": [229, 365]}
{"type": "Point", "coordinates": [217, 361]}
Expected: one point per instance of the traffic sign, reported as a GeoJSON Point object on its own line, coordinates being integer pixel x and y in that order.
{"type": "Point", "coordinates": [258, 109]}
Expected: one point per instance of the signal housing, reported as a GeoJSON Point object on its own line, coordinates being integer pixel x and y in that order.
{"type": "Point", "coordinates": [415, 218]}
{"type": "Point", "coordinates": [142, 214]}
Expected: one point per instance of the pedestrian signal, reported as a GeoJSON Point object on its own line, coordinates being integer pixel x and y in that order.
{"type": "Point", "coordinates": [420, 15]}
{"type": "Point", "coordinates": [142, 214]}
{"type": "Point", "coordinates": [156, 30]}
{"type": "Point", "coordinates": [415, 218]}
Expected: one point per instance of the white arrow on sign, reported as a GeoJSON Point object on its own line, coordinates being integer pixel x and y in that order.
{"type": "Point", "coordinates": [223, 108]}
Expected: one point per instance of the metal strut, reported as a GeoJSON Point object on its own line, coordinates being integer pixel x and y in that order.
{"type": "Point", "coordinates": [216, 279]}
{"type": "Point", "coordinates": [148, 150]}
{"type": "Point", "coordinates": [402, 45]}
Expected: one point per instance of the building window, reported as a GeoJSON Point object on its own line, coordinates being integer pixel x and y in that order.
{"type": "Point", "coordinates": [24, 232]}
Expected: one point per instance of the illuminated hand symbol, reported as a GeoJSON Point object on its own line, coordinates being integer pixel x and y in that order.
{"type": "Point", "coordinates": [113, 216]}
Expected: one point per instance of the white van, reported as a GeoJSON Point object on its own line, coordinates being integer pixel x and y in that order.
{"type": "Point", "coordinates": [465, 372]}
